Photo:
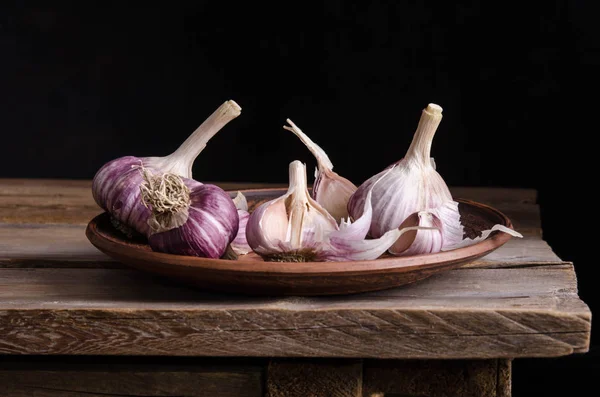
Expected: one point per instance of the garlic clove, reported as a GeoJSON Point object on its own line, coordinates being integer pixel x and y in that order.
{"type": "Point", "coordinates": [267, 226]}
{"type": "Point", "coordinates": [419, 241]}
{"type": "Point", "coordinates": [291, 227]}
{"type": "Point", "coordinates": [240, 202]}
{"type": "Point", "coordinates": [240, 243]}
{"type": "Point", "coordinates": [344, 244]}
{"type": "Point", "coordinates": [330, 190]}
{"type": "Point", "coordinates": [308, 221]}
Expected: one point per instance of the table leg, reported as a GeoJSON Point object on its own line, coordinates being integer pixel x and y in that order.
{"type": "Point", "coordinates": [387, 378]}
{"type": "Point", "coordinates": [314, 378]}
{"type": "Point", "coordinates": [436, 378]}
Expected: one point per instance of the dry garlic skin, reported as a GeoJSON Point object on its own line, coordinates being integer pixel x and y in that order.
{"type": "Point", "coordinates": [333, 192]}
{"type": "Point", "coordinates": [330, 190]}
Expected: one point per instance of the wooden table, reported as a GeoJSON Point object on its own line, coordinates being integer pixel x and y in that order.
{"type": "Point", "coordinates": [75, 323]}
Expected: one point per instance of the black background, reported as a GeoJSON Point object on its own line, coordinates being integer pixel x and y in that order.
{"type": "Point", "coordinates": [80, 86]}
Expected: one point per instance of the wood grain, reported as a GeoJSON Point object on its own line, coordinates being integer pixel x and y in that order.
{"type": "Point", "coordinates": [59, 245]}
{"type": "Point", "coordinates": [61, 201]}
{"type": "Point", "coordinates": [504, 383]}
{"type": "Point", "coordinates": [459, 378]}
{"type": "Point", "coordinates": [41, 245]}
{"type": "Point", "coordinates": [59, 295]}
{"type": "Point", "coordinates": [331, 378]}
{"type": "Point", "coordinates": [204, 378]}
{"type": "Point", "coordinates": [471, 313]}
{"type": "Point", "coordinates": [70, 201]}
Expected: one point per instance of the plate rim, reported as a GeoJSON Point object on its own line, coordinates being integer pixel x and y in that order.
{"type": "Point", "coordinates": [380, 265]}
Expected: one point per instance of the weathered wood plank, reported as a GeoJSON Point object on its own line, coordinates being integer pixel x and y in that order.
{"type": "Point", "coordinates": [207, 378]}
{"type": "Point", "coordinates": [459, 378]}
{"type": "Point", "coordinates": [39, 245]}
{"type": "Point", "coordinates": [70, 201]}
{"type": "Point", "coordinates": [504, 384]}
{"type": "Point", "coordinates": [48, 246]}
{"type": "Point", "coordinates": [471, 313]}
{"type": "Point", "coordinates": [529, 251]}
{"type": "Point", "coordinates": [525, 217]}
{"type": "Point", "coordinates": [331, 378]}
{"type": "Point", "coordinates": [527, 288]}
{"type": "Point", "coordinates": [61, 201]}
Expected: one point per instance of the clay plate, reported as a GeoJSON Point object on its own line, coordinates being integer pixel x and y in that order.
{"type": "Point", "coordinates": [249, 274]}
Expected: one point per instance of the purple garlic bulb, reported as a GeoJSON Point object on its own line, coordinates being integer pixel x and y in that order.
{"type": "Point", "coordinates": [116, 186]}
{"type": "Point", "coordinates": [188, 217]}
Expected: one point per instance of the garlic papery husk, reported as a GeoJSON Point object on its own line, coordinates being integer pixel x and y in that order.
{"type": "Point", "coordinates": [116, 186]}
{"type": "Point", "coordinates": [188, 217]}
{"type": "Point", "coordinates": [330, 189]}
{"type": "Point", "coordinates": [295, 228]}
{"type": "Point", "coordinates": [411, 193]}
{"type": "Point", "coordinates": [240, 244]}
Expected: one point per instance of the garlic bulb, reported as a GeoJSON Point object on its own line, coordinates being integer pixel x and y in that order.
{"type": "Point", "coordinates": [412, 193]}
{"type": "Point", "coordinates": [116, 186]}
{"type": "Point", "coordinates": [330, 190]}
{"type": "Point", "coordinates": [240, 245]}
{"type": "Point", "coordinates": [295, 228]}
{"type": "Point", "coordinates": [188, 217]}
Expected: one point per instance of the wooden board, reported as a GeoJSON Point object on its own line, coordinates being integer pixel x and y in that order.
{"type": "Point", "coordinates": [59, 295]}
{"type": "Point", "coordinates": [331, 378]}
{"type": "Point", "coordinates": [70, 201]}
{"type": "Point", "coordinates": [472, 313]}
{"type": "Point", "coordinates": [459, 378]}
{"type": "Point", "coordinates": [192, 377]}
{"type": "Point", "coordinates": [43, 245]}
{"type": "Point", "coordinates": [101, 378]}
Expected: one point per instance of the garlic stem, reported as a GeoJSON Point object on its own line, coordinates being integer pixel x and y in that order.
{"type": "Point", "coordinates": [297, 176]}
{"type": "Point", "coordinates": [322, 158]}
{"type": "Point", "coordinates": [420, 148]}
{"type": "Point", "coordinates": [299, 202]}
{"type": "Point", "coordinates": [196, 142]}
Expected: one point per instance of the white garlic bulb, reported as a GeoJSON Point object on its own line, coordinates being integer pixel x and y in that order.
{"type": "Point", "coordinates": [412, 193]}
